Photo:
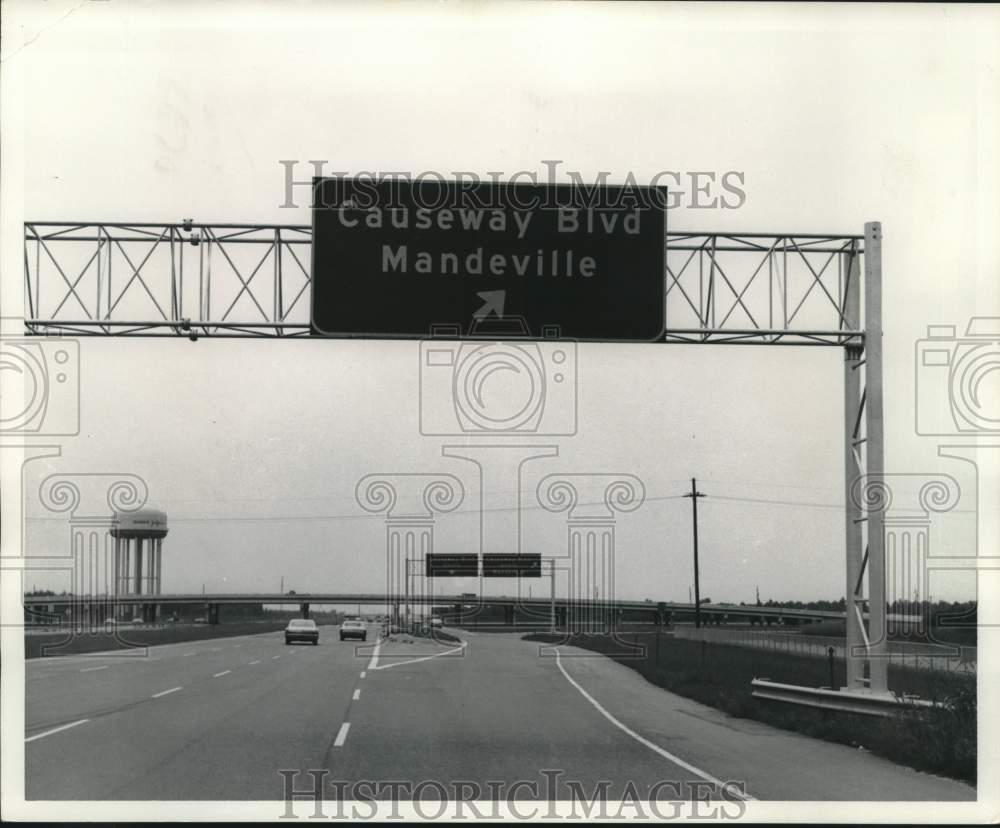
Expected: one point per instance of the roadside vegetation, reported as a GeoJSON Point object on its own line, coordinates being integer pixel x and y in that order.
{"type": "Point", "coordinates": [940, 741]}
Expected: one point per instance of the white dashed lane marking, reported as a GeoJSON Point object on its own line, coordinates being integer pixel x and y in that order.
{"type": "Point", "coordinates": [166, 692]}
{"type": "Point", "coordinates": [223, 673]}
{"type": "Point", "coordinates": [342, 735]}
{"type": "Point", "coordinates": [56, 730]}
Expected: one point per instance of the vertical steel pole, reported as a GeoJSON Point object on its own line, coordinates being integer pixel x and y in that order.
{"type": "Point", "coordinates": [118, 565]}
{"type": "Point", "coordinates": [138, 566]}
{"type": "Point", "coordinates": [159, 566]}
{"type": "Point", "coordinates": [852, 472]}
{"type": "Point", "coordinates": [552, 595]}
{"type": "Point", "coordinates": [875, 454]}
{"type": "Point", "coordinates": [127, 575]}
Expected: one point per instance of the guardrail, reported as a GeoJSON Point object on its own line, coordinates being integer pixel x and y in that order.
{"type": "Point", "coordinates": [845, 701]}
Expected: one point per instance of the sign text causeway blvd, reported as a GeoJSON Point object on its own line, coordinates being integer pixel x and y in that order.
{"type": "Point", "coordinates": [401, 259]}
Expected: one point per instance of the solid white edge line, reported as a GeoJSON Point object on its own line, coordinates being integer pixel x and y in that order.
{"type": "Point", "coordinates": [357, 695]}
{"type": "Point", "coordinates": [91, 669]}
{"type": "Point", "coordinates": [55, 730]}
{"type": "Point", "coordinates": [223, 673]}
{"type": "Point", "coordinates": [342, 735]}
{"type": "Point", "coordinates": [166, 692]}
{"type": "Point", "coordinates": [666, 754]}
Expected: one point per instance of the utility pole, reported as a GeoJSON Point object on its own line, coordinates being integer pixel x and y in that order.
{"type": "Point", "coordinates": [282, 584]}
{"type": "Point", "coordinates": [694, 495]}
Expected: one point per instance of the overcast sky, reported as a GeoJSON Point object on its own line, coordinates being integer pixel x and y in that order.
{"type": "Point", "coordinates": [832, 117]}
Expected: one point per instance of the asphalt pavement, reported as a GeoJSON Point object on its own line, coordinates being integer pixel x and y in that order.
{"type": "Point", "coordinates": [220, 719]}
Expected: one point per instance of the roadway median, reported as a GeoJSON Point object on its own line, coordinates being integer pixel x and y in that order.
{"type": "Point", "coordinates": [66, 643]}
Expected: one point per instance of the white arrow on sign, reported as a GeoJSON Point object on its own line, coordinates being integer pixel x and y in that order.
{"type": "Point", "coordinates": [493, 302]}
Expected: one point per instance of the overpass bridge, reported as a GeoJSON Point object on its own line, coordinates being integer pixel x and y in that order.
{"type": "Point", "coordinates": [459, 608]}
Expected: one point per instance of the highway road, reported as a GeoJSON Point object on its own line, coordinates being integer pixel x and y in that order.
{"type": "Point", "coordinates": [219, 719]}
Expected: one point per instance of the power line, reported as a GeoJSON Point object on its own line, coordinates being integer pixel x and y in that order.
{"type": "Point", "coordinates": [474, 511]}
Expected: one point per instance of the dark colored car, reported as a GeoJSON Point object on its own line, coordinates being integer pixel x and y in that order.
{"type": "Point", "coordinates": [302, 629]}
{"type": "Point", "coordinates": [354, 629]}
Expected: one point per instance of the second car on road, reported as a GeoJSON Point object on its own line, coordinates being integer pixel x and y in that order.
{"type": "Point", "coordinates": [354, 629]}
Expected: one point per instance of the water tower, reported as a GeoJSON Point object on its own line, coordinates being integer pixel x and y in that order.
{"type": "Point", "coordinates": [138, 554]}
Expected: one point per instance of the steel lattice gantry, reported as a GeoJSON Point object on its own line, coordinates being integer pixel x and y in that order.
{"type": "Point", "coordinates": [210, 280]}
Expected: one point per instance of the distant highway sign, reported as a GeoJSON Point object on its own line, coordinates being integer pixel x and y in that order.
{"type": "Point", "coordinates": [451, 566]}
{"type": "Point", "coordinates": [401, 259]}
{"type": "Point", "coordinates": [512, 566]}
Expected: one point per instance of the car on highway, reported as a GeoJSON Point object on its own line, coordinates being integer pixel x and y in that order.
{"type": "Point", "coordinates": [436, 621]}
{"type": "Point", "coordinates": [354, 628]}
{"type": "Point", "coordinates": [302, 629]}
